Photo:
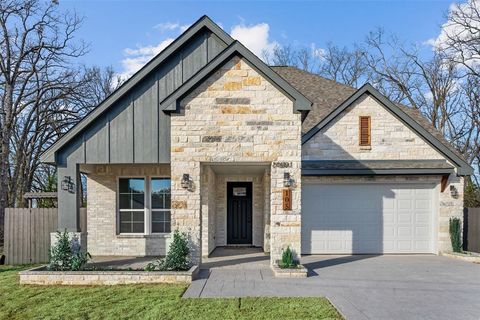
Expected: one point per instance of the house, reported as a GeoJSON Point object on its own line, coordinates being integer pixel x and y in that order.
{"type": "Point", "coordinates": [208, 139]}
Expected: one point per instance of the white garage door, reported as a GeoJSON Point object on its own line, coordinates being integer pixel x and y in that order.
{"type": "Point", "coordinates": [367, 218]}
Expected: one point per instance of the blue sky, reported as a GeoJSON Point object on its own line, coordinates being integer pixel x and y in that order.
{"type": "Point", "coordinates": [125, 34]}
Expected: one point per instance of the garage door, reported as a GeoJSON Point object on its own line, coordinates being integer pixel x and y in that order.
{"type": "Point", "coordinates": [367, 218]}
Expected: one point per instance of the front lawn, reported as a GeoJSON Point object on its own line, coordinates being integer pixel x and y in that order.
{"type": "Point", "coordinates": [143, 302]}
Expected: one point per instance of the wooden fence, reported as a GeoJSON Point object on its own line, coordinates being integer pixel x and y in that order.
{"type": "Point", "coordinates": [27, 233]}
{"type": "Point", "coordinates": [472, 224]}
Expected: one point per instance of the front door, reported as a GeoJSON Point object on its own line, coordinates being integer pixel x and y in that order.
{"type": "Point", "coordinates": [239, 212]}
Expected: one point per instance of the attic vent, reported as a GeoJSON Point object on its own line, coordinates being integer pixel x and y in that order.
{"type": "Point", "coordinates": [364, 131]}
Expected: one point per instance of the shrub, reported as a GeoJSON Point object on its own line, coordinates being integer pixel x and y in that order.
{"type": "Point", "coordinates": [67, 254]}
{"type": "Point", "coordinates": [177, 256]}
{"type": "Point", "coordinates": [455, 234]}
{"type": "Point", "coordinates": [287, 259]}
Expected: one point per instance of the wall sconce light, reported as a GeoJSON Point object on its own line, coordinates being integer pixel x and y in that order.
{"type": "Point", "coordinates": [67, 184]}
{"type": "Point", "coordinates": [453, 192]}
{"type": "Point", "coordinates": [287, 180]}
{"type": "Point", "coordinates": [186, 181]}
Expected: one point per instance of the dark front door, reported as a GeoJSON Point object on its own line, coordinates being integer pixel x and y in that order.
{"type": "Point", "coordinates": [239, 212]}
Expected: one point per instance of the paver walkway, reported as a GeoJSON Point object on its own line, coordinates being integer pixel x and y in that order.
{"type": "Point", "coordinates": [361, 287]}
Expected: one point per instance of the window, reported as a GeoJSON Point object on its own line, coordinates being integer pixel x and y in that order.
{"type": "Point", "coordinates": [364, 131]}
{"type": "Point", "coordinates": [136, 209]}
{"type": "Point", "coordinates": [132, 205]}
{"type": "Point", "coordinates": [161, 195]}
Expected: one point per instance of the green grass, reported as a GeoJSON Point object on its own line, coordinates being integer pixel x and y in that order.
{"type": "Point", "coordinates": [143, 302]}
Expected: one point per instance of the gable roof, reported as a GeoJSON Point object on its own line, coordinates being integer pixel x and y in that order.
{"type": "Point", "coordinates": [325, 94]}
{"type": "Point", "coordinates": [300, 102]}
{"type": "Point", "coordinates": [204, 22]}
{"type": "Point", "coordinates": [414, 120]}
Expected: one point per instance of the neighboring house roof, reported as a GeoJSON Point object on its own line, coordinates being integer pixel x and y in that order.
{"type": "Point", "coordinates": [330, 98]}
{"type": "Point", "coordinates": [300, 102]}
{"type": "Point", "coordinates": [363, 167]}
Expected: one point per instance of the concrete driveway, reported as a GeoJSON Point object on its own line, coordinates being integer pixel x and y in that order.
{"type": "Point", "coordinates": [361, 287]}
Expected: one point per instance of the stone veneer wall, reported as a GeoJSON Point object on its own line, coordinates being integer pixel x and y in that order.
{"type": "Point", "coordinates": [102, 237]}
{"type": "Point", "coordinates": [236, 115]}
{"type": "Point", "coordinates": [209, 210]}
{"type": "Point", "coordinates": [266, 210]}
{"type": "Point", "coordinates": [390, 138]}
{"type": "Point", "coordinates": [448, 206]}
{"type": "Point", "coordinates": [257, 207]}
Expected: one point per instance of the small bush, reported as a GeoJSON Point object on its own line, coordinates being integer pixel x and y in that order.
{"type": "Point", "coordinates": [287, 259]}
{"type": "Point", "coordinates": [66, 254]}
{"type": "Point", "coordinates": [177, 256]}
{"type": "Point", "coordinates": [455, 234]}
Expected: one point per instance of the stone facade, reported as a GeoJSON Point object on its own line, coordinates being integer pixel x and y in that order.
{"type": "Point", "coordinates": [102, 212]}
{"type": "Point", "coordinates": [39, 276]}
{"type": "Point", "coordinates": [448, 206]}
{"type": "Point", "coordinates": [209, 215]}
{"type": "Point", "coordinates": [236, 115]}
{"type": "Point", "coordinates": [390, 138]}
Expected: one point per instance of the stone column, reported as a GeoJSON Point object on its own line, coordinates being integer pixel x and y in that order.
{"type": "Point", "coordinates": [186, 212]}
{"type": "Point", "coordinates": [285, 225]}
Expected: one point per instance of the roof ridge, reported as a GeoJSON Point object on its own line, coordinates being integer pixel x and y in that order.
{"type": "Point", "coordinates": [315, 75]}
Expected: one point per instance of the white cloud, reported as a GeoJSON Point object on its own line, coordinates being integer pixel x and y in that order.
{"type": "Point", "coordinates": [449, 28]}
{"type": "Point", "coordinates": [254, 37]}
{"type": "Point", "coordinates": [171, 26]}
{"type": "Point", "coordinates": [136, 58]}
{"type": "Point", "coordinates": [317, 52]}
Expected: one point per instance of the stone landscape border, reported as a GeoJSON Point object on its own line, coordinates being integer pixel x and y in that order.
{"type": "Point", "coordinates": [41, 276]}
{"type": "Point", "coordinates": [299, 272]}
{"type": "Point", "coordinates": [469, 256]}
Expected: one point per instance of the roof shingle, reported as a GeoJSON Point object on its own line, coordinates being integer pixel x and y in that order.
{"type": "Point", "coordinates": [327, 95]}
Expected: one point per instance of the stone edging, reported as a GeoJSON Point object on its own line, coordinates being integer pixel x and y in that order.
{"type": "Point", "coordinates": [460, 256]}
{"type": "Point", "coordinates": [40, 276]}
{"type": "Point", "coordinates": [300, 272]}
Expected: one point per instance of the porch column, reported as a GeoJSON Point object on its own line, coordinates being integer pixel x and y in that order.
{"type": "Point", "coordinates": [68, 188]}
{"type": "Point", "coordinates": [285, 224]}
{"type": "Point", "coordinates": [186, 212]}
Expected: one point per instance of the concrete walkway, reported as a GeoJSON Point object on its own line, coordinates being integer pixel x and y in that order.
{"type": "Point", "coordinates": [361, 287]}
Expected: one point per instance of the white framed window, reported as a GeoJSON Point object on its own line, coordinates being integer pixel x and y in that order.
{"type": "Point", "coordinates": [160, 191]}
{"type": "Point", "coordinates": [131, 204]}
{"type": "Point", "coordinates": [144, 205]}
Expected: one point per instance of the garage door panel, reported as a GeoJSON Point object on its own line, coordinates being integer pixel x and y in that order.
{"type": "Point", "coordinates": [367, 218]}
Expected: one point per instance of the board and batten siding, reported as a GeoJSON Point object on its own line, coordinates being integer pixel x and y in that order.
{"type": "Point", "coordinates": [135, 130]}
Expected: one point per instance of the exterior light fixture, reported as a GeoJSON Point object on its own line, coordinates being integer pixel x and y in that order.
{"type": "Point", "coordinates": [453, 192]}
{"type": "Point", "coordinates": [287, 180]}
{"type": "Point", "coordinates": [67, 184]}
{"type": "Point", "coordinates": [186, 181]}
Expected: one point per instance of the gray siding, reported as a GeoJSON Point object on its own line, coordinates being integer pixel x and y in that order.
{"type": "Point", "coordinates": [135, 130]}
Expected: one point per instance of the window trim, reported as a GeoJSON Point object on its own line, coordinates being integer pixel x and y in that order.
{"type": "Point", "coordinates": [147, 210]}
{"type": "Point", "coordinates": [369, 143]}
{"type": "Point", "coordinates": [159, 210]}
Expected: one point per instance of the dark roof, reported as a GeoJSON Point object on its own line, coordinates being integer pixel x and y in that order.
{"type": "Point", "coordinates": [204, 22]}
{"type": "Point", "coordinates": [327, 95]}
{"type": "Point", "coordinates": [300, 102]}
{"type": "Point", "coordinates": [40, 195]}
{"type": "Point", "coordinates": [365, 167]}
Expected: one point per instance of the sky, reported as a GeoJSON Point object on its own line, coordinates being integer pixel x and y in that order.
{"type": "Point", "coordinates": [126, 34]}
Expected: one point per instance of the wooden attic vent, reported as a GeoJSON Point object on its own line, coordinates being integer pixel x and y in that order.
{"type": "Point", "coordinates": [365, 131]}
